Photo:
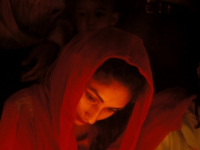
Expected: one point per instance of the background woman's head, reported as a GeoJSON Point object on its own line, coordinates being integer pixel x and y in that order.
{"type": "Point", "coordinates": [95, 14]}
{"type": "Point", "coordinates": [108, 91]}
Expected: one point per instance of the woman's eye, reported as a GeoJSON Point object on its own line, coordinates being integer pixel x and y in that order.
{"type": "Point", "coordinates": [90, 97]}
{"type": "Point", "coordinates": [112, 110]}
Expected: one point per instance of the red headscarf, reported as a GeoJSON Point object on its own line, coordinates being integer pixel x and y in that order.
{"type": "Point", "coordinates": [42, 116]}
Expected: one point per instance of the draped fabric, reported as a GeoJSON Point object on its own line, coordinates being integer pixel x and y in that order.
{"type": "Point", "coordinates": [41, 117]}
{"type": "Point", "coordinates": [26, 23]}
{"type": "Point", "coordinates": [164, 117]}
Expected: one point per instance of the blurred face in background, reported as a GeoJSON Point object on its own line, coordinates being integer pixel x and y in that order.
{"type": "Point", "coordinates": [94, 14]}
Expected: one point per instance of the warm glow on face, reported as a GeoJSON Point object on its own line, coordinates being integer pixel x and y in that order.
{"type": "Point", "coordinates": [100, 101]}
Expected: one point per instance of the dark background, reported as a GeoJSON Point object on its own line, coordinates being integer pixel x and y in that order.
{"type": "Point", "coordinates": [169, 29]}
{"type": "Point", "coordinates": [171, 37]}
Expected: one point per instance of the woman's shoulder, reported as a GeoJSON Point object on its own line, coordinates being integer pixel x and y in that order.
{"type": "Point", "coordinates": [21, 99]}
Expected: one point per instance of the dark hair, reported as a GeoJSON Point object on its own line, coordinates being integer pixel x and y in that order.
{"type": "Point", "coordinates": [111, 3]}
{"type": "Point", "coordinates": [110, 128]}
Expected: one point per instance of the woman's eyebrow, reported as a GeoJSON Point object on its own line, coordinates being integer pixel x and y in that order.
{"type": "Point", "coordinates": [96, 93]}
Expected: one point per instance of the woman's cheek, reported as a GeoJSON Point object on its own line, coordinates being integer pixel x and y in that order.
{"type": "Point", "coordinates": [83, 105]}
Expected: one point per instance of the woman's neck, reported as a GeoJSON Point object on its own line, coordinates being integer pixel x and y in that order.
{"type": "Point", "coordinates": [81, 131]}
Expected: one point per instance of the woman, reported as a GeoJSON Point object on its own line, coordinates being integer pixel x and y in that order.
{"type": "Point", "coordinates": [44, 116]}
{"type": "Point", "coordinates": [86, 102]}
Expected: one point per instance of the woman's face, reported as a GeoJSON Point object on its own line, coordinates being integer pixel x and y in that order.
{"type": "Point", "coordinates": [93, 15]}
{"type": "Point", "coordinates": [99, 101]}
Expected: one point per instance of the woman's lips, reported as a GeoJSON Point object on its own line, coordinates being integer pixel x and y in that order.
{"type": "Point", "coordinates": [79, 119]}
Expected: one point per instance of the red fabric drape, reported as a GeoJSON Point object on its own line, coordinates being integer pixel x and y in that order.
{"type": "Point", "coordinates": [44, 120]}
{"type": "Point", "coordinates": [165, 115]}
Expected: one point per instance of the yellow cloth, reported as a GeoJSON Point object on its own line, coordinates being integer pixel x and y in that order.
{"type": "Point", "coordinates": [188, 138]}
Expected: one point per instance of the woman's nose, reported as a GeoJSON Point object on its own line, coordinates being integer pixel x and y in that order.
{"type": "Point", "coordinates": [93, 114]}
{"type": "Point", "coordinates": [90, 20]}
